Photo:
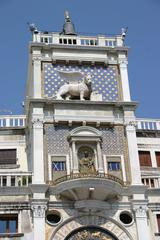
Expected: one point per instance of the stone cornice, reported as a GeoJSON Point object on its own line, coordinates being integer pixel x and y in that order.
{"type": "Point", "coordinates": [50, 101]}
{"type": "Point", "coordinates": [14, 205]}
{"type": "Point", "coordinates": [38, 188]}
{"type": "Point", "coordinates": [14, 191]}
{"type": "Point", "coordinates": [43, 46]}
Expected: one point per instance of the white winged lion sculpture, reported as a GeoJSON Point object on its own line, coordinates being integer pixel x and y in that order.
{"type": "Point", "coordinates": [77, 86]}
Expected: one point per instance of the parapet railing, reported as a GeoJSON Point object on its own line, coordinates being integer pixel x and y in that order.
{"type": "Point", "coordinates": [75, 176]}
{"type": "Point", "coordinates": [57, 38]}
{"type": "Point", "coordinates": [15, 179]}
{"type": "Point", "coordinates": [12, 121]}
{"type": "Point", "coordinates": [19, 121]}
{"type": "Point", "coordinates": [151, 182]}
{"type": "Point", "coordinates": [148, 124]}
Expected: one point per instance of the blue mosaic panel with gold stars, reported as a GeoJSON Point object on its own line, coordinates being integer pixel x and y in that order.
{"type": "Point", "coordinates": [104, 79]}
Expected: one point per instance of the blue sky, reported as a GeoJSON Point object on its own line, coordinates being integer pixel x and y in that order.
{"type": "Point", "coordinates": [89, 16]}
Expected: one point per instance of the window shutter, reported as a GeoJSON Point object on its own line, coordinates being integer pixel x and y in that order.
{"type": "Point", "coordinates": [158, 158]}
{"type": "Point", "coordinates": [145, 159]}
{"type": "Point", "coordinates": [8, 156]}
{"type": "Point", "coordinates": [158, 222]}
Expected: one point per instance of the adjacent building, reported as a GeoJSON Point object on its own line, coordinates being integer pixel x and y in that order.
{"type": "Point", "coordinates": [79, 165]}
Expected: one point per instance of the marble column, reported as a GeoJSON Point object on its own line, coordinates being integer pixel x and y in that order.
{"type": "Point", "coordinates": [133, 154]}
{"type": "Point", "coordinates": [38, 210]}
{"type": "Point", "coordinates": [124, 79]}
{"type": "Point", "coordinates": [37, 85]}
{"type": "Point", "coordinates": [37, 150]}
{"type": "Point", "coordinates": [74, 158]}
{"type": "Point", "coordinates": [141, 222]}
{"type": "Point", "coordinates": [100, 160]}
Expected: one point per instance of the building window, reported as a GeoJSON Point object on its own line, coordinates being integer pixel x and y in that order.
{"type": "Point", "coordinates": [114, 166]}
{"type": "Point", "coordinates": [110, 43]}
{"type": "Point", "coordinates": [158, 158]}
{"type": "Point", "coordinates": [158, 222]}
{"type": "Point", "coordinates": [9, 223]}
{"type": "Point", "coordinates": [8, 156]}
{"type": "Point", "coordinates": [59, 165]}
{"type": "Point", "coordinates": [145, 159]}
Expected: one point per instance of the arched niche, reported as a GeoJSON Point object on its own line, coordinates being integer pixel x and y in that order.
{"type": "Point", "coordinates": [85, 137]}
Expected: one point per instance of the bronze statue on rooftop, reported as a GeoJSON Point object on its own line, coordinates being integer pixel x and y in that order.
{"type": "Point", "coordinates": [68, 27]}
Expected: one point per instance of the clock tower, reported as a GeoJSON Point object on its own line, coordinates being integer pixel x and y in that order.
{"type": "Point", "coordinates": [82, 138]}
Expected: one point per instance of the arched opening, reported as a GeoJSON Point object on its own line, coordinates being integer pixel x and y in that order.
{"type": "Point", "coordinates": [90, 233]}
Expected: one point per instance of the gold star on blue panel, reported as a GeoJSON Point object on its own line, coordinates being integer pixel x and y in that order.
{"type": "Point", "coordinates": [104, 79]}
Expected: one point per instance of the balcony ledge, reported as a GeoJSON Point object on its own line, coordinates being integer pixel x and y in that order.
{"type": "Point", "coordinates": [11, 235]}
{"type": "Point", "coordinates": [96, 175]}
{"type": "Point", "coordinates": [87, 186]}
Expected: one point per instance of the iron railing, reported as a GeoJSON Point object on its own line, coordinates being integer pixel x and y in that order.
{"type": "Point", "coordinates": [75, 176]}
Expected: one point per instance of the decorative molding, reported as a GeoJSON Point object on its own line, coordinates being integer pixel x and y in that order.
{"type": "Point", "coordinates": [131, 126]}
{"type": "Point", "coordinates": [133, 123]}
{"type": "Point", "coordinates": [36, 58]}
{"type": "Point", "coordinates": [155, 147]}
{"type": "Point", "coordinates": [37, 122]}
{"type": "Point", "coordinates": [130, 123]}
{"type": "Point", "coordinates": [140, 209]}
{"type": "Point", "coordinates": [39, 210]}
{"type": "Point", "coordinates": [14, 206]}
{"type": "Point", "coordinates": [85, 131]}
{"type": "Point", "coordinates": [72, 224]}
{"type": "Point", "coordinates": [123, 63]}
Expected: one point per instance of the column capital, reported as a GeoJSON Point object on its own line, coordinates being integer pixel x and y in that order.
{"type": "Point", "coordinates": [39, 209]}
{"type": "Point", "coordinates": [131, 125]}
{"type": "Point", "coordinates": [140, 209]}
{"type": "Point", "coordinates": [36, 58]}
{"type": "Point", "coordinates": [123, 62]}
{"type": "Point", "coordinates": [37, 122]}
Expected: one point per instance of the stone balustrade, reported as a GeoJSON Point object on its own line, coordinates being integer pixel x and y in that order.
{"type": "Point", "coordinates": [151, 182]}
{"type": "Point", "coordinates": [57, 38]}
{"type": "Point", "coordinates": [7, 121]}
{"type": "Point", "coordinates": [148, 124]}
{"type": "Point", "coordinates": [15, 179]}
{"type": "Point", "coordinates": [12, 121]}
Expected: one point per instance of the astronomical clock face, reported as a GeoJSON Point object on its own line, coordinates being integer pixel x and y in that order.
{"type": "Point", "coordinates": [90, 233]}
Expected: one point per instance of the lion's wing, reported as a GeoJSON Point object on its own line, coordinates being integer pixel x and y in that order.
{"type": "Point", "coordinates": [70, 76]}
